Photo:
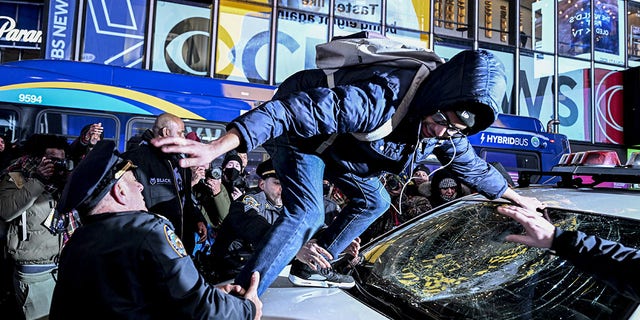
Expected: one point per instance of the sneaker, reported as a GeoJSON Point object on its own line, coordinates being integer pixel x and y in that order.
{"type": "Point", "coordinates": [302, 275]}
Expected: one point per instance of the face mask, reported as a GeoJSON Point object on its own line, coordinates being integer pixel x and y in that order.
{"type": "Point", "coordinates": [231, 174]}
{"type": "Point", "coordinates": [449, 198]}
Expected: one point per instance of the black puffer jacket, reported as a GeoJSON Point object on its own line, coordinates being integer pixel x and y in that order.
{"type": "Point", "coordinates": [308, 112]}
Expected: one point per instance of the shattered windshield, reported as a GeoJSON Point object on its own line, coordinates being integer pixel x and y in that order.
{"type": "Point", "coordinates": [456, 265]}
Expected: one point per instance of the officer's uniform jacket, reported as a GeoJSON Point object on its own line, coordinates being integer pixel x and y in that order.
{"type": "Point", "coordinates": [139, 269]}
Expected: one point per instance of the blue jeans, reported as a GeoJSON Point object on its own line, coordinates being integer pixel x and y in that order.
{"type": "Point", "coordinates": [301, 176]}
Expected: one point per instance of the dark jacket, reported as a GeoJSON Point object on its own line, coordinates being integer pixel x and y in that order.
{"type": "Point", "coordinates": [607, 260]}
{"type": "Point", "coordinates": [156, 172]}
{"type": "Point", "coordinates": [308, 112]}
{"type": "Point", "coordinates": [130, 265]}
{"type": "Point", "coordinates": [242, 230]}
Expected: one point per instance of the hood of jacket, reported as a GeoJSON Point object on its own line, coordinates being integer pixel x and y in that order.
{"type": "Point", "coordinates": [473, 80]}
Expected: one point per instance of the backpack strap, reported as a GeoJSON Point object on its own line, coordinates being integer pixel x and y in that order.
{"type": "Point", "coordinates": [388, 126]}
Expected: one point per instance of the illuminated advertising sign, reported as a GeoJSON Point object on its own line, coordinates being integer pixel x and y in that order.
{"type": "Point", "coordinates": [114, 34]}
{"type": "Point", "coordinates": [20, 25]}
{"type": "Point", "coordinates": [575, 31]}
{"type": "Point", "coordinates": [181, 39]}
{"type": "Point", "coordinates": [608, 116]}
{"type": "Point", "coordinates": [536, 99]}
{"type": "Point", "coordinates": [60, 29]}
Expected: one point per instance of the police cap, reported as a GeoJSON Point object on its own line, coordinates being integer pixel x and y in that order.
{"type": "Point", "coordinates": [265, 170]}
{"type": "Point", "coordinates": [94, 176]}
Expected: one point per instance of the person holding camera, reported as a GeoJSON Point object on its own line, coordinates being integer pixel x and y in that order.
{"type": "Point", "coordinates": [219, 187]}
{"type": "Point", "coordinates": [232, 177]}
{"type": "Point", "coordinates": [29, 190]}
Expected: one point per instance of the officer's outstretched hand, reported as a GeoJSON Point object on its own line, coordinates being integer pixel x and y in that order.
{"type": "Point", "coordinates": [539, 231]}
{"type": "Point", "coordinates": [252, 294]}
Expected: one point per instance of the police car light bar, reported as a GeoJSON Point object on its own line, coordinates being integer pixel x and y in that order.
{"type": "Point", "coordinates": [600, 165]}
{"type": "Point", "coordinates": [590, 158]}
{"type": "Point", "coordinates": [633, 161]}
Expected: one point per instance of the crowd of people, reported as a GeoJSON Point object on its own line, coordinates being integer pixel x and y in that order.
{"type": "Point", "coordinates": [121, 234]}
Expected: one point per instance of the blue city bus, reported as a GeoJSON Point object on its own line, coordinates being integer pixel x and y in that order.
{"type": "Point", "coordinates": [521, 143]}
{"type": "Point", "coordinates": [61, 97]}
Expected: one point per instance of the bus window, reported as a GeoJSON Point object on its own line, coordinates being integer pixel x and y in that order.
{"type": "Point", "coordinates": [513, 161]}
{"type": "Point", "coordinates": [70, 123]}
{"type": "Point", "coordinates": [136, 126]}
{"type": "Point", "coordinates": [8, 122]}
{"type": "Point", "coordinates": [207, 131]}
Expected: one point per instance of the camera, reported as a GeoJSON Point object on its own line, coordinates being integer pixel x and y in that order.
{"type": "Point", "coordinates": [60, 165]}
{"type": "Point", "coordinates": [215, 173]}
{"type": "Point", "coordinates": [393, 182]}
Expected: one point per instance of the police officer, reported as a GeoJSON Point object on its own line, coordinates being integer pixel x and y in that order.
{"type": "Point", "coordinates": [247, 223]}
{"type": "Point", "coordinates": [125, 262]}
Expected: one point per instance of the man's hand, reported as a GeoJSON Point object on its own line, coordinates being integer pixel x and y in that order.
{"type": "Point", "coordinates": [314, 255]}
{"type": "Point", "coordinates": [252, 294]}
{"type": "Point", "coordinates": [215, 185]}
{"type": "Point", "coordinates": [200, 154]}
{"type": "Point", "coordinates": [354, 247]}
{"type": "Point", "coordinates": [532, 204]}
{"type": "Point", "coordinates": [538, 231]}
{"type": "Point", "coordinates": [93, 134]}
{"type": "Point", "coordinates": [233, 289]}
{"type": "Point", "coordinates": [197, 174]}
{"type": "Point", "coordinates": [202, 231]}
{"type": "Point", "coordinates": [44, 170]}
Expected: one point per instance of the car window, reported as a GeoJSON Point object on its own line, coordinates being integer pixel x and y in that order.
{"type": "Point", "coordinates": [456, 265]}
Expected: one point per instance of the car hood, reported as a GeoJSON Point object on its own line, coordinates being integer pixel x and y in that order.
{"type": "Point", "coordinates": [283, 300]}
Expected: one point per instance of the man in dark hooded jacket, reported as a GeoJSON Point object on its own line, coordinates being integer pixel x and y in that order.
{"type": "Point", "coordinates": [458, 98]}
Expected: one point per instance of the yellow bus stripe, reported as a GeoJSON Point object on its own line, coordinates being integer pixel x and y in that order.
{"type": "Point", "coordinates": [147, 99]}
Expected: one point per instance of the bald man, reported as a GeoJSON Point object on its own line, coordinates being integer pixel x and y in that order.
{"type": "Point", "coordinates": [167, 186]}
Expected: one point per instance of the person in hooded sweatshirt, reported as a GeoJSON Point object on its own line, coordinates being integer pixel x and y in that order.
{"type": "Point", "coordinates": [458, 98]}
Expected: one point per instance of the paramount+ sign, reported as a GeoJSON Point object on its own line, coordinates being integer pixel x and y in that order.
{"type": "Point", "coordinates": [20, 25]}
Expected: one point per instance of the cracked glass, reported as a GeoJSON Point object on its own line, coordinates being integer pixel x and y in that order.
{"type": "Point", "coordinates": [457, 265]}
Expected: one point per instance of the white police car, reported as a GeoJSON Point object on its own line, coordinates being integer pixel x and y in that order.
{"type": "Point", "coordinates": [452, 262]}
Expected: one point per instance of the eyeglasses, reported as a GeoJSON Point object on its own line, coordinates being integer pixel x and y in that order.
{"type": "Point", "coordinates": [441, 119]}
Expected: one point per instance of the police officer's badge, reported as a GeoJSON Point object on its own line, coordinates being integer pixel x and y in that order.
{"type": "Point", "coordinates": [174, 241]}
{"type": "Point", "coordinates": [250, 203]}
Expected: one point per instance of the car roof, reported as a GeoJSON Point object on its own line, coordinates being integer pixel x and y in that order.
{"type": "Point", "coordinates": [606, 201]}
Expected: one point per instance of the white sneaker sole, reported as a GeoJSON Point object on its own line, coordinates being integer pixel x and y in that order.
{"type": "Point", "coordinates": [320, 283]}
